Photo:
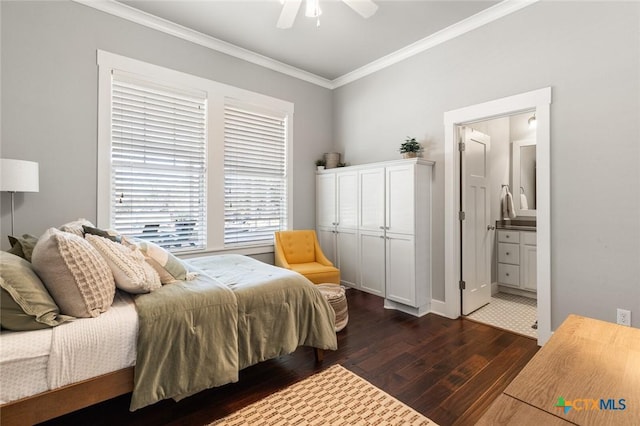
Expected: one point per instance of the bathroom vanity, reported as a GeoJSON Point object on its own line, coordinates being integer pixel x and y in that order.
{"type": "Point", "coordinates": [517, 259]}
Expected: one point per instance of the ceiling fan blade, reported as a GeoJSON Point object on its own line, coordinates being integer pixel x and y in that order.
{"type": "Point", "coordinates": [288, 14]}
{"type": "Point", "coordinates": [365, 8]}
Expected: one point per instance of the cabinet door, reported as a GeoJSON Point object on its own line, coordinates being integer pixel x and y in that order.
{"type": "Point", "coordinates": [400, 198]}
{"type": "Point", "coordinates": [401, 285]}
{"type": "Point", "coordinates": [327, 240]}
{"type": "Point", "coordinates": [347, 197]}
{"type": "Point", "coordinates": [347, 246]}
{"type": "Point", "coordinates": [326, 200]}
{"type": "Point", "coordinates": [371, 182]}
{"type": "Point", "coordinates": [528, 266]}
{"type": "Point", "coordinates": [371, 263]}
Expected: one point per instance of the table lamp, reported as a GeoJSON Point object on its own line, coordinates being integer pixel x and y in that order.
{"type": "Point", "coordinates": [18, 176]}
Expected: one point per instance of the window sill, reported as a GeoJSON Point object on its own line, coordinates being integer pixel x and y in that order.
{"type": "Point", "coordinates": [247, 251]}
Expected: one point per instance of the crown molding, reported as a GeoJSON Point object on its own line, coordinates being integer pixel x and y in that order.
{"type": "Point", "coordinates": [151, 21]}
{"type": "Point", "coordinates": [484, 17]}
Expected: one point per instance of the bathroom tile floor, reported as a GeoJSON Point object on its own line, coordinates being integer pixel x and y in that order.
{"type": "Point", "coordinates": [509, 312]}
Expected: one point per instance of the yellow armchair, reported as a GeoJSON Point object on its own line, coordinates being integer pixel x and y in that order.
{"type": "Point", "coordinates": [301, 252]}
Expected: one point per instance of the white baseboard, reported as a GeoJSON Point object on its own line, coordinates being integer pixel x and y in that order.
{"type": "Point", "coordinates": [416, 312]}
{"type": "Point", "coordinates": [440, 308]}
{"type": "Point", "coordinates": [494, 288]}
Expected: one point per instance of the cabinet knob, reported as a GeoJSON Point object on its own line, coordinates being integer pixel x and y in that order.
{"type": "Point", "coordinates": [507, 236]}
{"type": "Point", "coordinates": [490, 227]}
{"type": "Point", "coordinates": [381, 236]}
{"type": "Point", "coordinates": [507, 253]}
{"type": "Point", "coordinates": [507, 274]}
{"type": "Point", "coordinates": [381, 227]}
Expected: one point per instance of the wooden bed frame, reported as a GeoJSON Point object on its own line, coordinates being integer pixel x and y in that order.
{"type": "Point", "coordinates": [66, 399]}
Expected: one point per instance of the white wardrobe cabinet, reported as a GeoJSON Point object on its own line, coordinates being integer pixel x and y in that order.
{"type": "Point", "coordinates": [392, 229]}
{"type": "Point", "coordinates": [336, 216]}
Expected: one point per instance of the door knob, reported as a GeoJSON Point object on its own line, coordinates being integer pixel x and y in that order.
{"type": "Point", "coordinates": [490, 227]}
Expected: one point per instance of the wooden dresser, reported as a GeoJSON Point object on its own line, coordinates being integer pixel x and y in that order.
{"type": "Point", "coordinates": [591, 366]}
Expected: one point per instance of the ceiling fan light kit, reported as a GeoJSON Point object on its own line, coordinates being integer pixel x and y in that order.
{"type": "Point", "coordinates": [365, 8]}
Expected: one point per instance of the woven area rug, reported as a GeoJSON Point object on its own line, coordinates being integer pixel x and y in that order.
{"type": "Point", "coordinates": [335, 396]}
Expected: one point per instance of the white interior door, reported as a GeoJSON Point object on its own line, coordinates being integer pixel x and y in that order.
{"type": "Point", "coordinates": [476, 244]}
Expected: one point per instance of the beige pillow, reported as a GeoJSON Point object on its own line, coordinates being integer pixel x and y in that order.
{"type": "Point", "coordinates": [25, 303]}
{"type": "Point", "coordinates": [75, 227]}
{"type": "Point", "coordinates": [75, 274]}
{"type": "Point", "coordinates": [131, 272]}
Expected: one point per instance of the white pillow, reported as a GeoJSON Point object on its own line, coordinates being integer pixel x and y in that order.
{"type": "Point", "coordinates": [130, 270]}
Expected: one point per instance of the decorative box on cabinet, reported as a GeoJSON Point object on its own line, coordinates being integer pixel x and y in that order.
{"type": "Point", "coordinates": [517, 259]}
{"type": "Point", "coordinates": [392, 229]}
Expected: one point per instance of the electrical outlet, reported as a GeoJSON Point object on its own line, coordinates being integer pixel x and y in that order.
{"type": "Point", "coordinates": [624, 317]}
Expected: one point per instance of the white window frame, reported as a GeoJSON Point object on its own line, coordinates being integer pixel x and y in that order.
{"type": "Point", "coordinates": [216, 94]}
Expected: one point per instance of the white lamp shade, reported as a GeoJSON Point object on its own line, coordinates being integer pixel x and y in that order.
{"type": "Point", "coordinates": [19, 176]}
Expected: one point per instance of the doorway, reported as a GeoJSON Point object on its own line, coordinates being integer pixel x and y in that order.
{"type": "Point", "coordinates": [499, 273]}
{"type": "Point", "coordinates": [538, 101]}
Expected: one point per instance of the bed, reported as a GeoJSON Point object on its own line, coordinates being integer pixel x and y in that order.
{"type": "Point", "coordinates": [256, 310]}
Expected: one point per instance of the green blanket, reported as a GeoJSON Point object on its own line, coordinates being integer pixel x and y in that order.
{"type": "Point", "coordinates": [278, 309]}
{"type": "Point", "coordinates": [194, 335]}
{"type": "Point", "coordinates": [187, 340]}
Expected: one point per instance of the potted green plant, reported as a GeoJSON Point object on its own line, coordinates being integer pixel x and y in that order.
{"type": "Point", "coordinates": [410, 148]}
{"type": "Point", "coordinates": [320, 164]}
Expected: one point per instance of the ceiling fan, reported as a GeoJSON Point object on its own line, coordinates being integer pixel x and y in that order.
{"type": "Point", "coordinates": [365, 8]}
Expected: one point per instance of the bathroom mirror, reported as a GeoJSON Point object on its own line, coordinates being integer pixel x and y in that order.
{"type": "Point", "coordinates": [524, 177]}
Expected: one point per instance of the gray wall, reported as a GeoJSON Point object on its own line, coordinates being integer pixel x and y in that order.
{"type": "Point", "coordinates": [49, 104]}
{"type": "Point", "coordinates": [592, 64]}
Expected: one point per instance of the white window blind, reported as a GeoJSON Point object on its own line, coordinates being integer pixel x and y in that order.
{"type": "Point", "coordinates": [255, 175]}
{"type": "Point", "coordinates": [158, 163]}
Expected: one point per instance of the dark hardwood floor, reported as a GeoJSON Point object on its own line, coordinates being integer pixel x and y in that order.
{"type": "Point", "coordinates": [449, 370]}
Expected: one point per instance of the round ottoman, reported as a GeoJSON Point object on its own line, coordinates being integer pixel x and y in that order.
{"type": "Point", "coordinates": [335, 295]}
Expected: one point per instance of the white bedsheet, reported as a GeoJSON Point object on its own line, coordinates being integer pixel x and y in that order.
{"type": "Point", "coordinates": [32, 362]}
{"type": "Point", "coordinates": [24, 356]}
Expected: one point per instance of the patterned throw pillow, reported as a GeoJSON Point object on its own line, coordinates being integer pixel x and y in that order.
{"type": "Point", "coordinates": [75, 274]}
{"type": "Point", "coordinates": [169, 267]}
{"type": "Point", "coordinates": [25, 303]}
{"type": "Point", "coordinates": [130, 270]}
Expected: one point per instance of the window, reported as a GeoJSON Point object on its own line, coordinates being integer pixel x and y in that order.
{"type": "Point", "coordinates": [255, 176]}
{"type": "Point", "coordinates": [190, 163]}
{"type": "Point", "coordinates": [158, 160]}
